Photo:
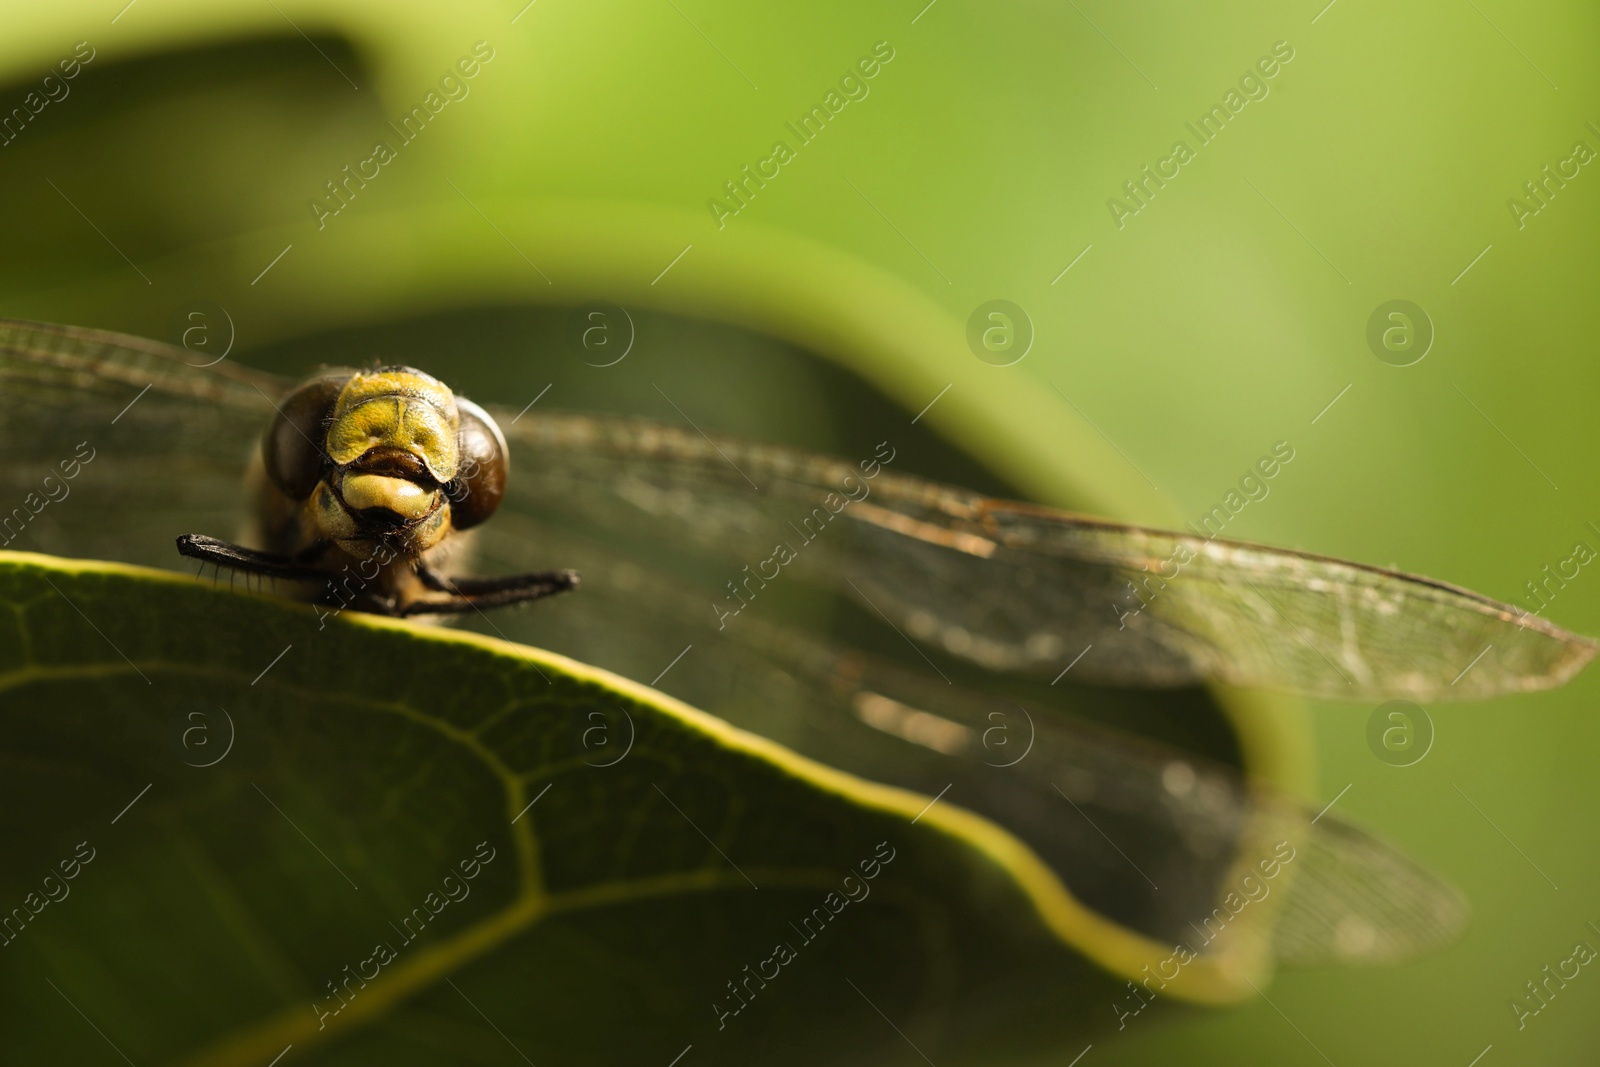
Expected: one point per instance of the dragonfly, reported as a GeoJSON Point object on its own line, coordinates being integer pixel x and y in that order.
{"type": "Point", "coordinates": [908, 631]}
{"type": "Point", "coordinates": [379, 470]}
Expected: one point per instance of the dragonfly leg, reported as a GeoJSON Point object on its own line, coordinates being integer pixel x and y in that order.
{"type": "Point", "coordinates": [468, 594]}
{"type": "Point", "coordinates": [213, 550]}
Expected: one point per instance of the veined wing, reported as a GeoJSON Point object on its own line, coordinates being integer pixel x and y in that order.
{"type": "Point", "coordinates": [1009, 586]}
{"type": "Point", "coordinates": [1025, 589]}
{"type": "Point", "coordinates": [114, 445]}
{"type": "Point", "coordinates": [177, 437]}
{"type": "Point", "coordinates": [1168, 843]}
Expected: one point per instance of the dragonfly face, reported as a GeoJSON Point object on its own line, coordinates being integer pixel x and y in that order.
{"type": "Point", "coordinates": [376, 456]}
{"type": "Point", "coordinates": [378, 467]}
{"type": "Point", "coordinates": [388, 447]}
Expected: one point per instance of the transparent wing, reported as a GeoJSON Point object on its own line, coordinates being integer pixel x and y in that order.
{"type": "Point", "coordinates": [156, 445]}
{"type": "Point", "coordinates": [1151, 835]}
{"type": "Point", "coordinates": [1024, 589]}
{"type": "Point", "coordinates": [115, 445]}
{"type": "Point", "coordinates": [1008, 586]}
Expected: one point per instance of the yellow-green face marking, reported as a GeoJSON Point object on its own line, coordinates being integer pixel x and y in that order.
{"type": "Point", "coordinates": [386, 428]}
{"type": "Point", "coordinates": [401, 409]}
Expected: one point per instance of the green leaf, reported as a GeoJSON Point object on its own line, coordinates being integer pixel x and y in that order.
{"type": "Point", "coordinates": [265, 798]}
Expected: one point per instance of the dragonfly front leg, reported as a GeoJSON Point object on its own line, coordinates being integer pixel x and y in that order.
{"type": "Point", "coordinates": [267, 564]}
{"type": "Point", "coordinates": [469, 594]}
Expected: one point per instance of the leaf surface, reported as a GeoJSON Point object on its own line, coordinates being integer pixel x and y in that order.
{"type": "Point", "coordinates": [266, 798]}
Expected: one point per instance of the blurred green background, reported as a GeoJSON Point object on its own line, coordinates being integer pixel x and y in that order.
{"type": "Point", "coordinates": [178, 173]}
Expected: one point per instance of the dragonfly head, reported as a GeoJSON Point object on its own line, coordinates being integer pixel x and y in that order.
{"type": "Point", "coordinates": [386, 458]}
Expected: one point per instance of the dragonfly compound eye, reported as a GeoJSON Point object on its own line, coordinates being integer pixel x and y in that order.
{"type": "Point", "coordinates": [477, 489]}
{"type": "Point", "coordinates": [293, 448]}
